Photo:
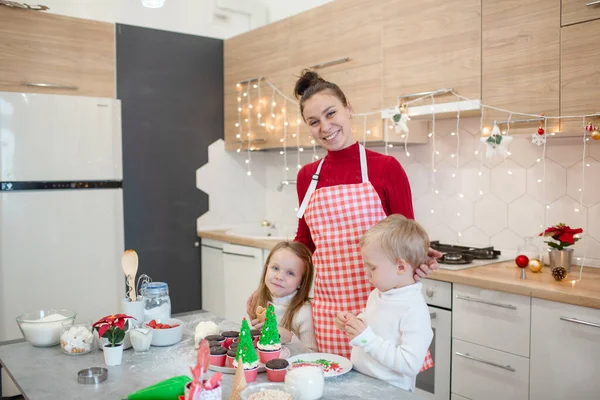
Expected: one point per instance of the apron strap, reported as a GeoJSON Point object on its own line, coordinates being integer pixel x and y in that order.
{"type": "Point", "coordinates": [313, 183]}
{"type": "Point", "coordinates": [311, 189]}
{"type": "Point", "coordinates": [363, 163]}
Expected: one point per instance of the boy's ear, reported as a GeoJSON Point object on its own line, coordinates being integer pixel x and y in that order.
{"type": "Point", "coordinates": [402, 266]}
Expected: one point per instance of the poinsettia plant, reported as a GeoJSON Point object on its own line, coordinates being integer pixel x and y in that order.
{"type": "Point", "coordinates": [113, 328]}
{"type": "Point", "coordinates": [563, 234]}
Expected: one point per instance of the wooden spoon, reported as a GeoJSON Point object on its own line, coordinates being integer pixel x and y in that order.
{"type": "Point", "coordinates": [129, 262]}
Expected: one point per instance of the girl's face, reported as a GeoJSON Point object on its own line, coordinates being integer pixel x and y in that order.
{"type": "Point", "coordinates": [329, 121]}
{"type": "Point", "coordinates": [284, 273]}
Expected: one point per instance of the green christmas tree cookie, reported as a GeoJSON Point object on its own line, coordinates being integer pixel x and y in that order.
{"type": "Point", "coordinates": [269, 336]}
{"type": "Point", "coordinates": [245, 349]}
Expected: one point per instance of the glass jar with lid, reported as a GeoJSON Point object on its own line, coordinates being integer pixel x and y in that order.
{"type": "Point", "coordinates": [157, 303]}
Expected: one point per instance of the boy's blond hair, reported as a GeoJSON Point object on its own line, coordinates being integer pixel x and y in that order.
{"type": "Point", "coordinates": [399, 238]}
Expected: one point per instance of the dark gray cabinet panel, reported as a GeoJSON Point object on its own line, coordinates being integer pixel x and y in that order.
{"type": "Point", "coordinates": [171, 91]}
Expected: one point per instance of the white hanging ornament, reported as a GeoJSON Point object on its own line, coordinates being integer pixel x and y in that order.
{"type": "Point", "coordinates": [539, 138]}
{"type": "Point", "coordinates": [400, 120]}
{"type": "Point", "coordinates": [497, 144]}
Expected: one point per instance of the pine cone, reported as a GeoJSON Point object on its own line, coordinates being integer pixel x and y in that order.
{"type": "Point", "coordinates": [559, 273]}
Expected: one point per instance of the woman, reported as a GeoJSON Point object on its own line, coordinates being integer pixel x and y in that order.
{"type": "Point", "coordinates": [341, 196]}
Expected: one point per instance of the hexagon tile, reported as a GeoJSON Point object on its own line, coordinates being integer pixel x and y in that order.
{"type": "Point", "coordinates": [508, 181]}
{"type": "Point", "coordinates": [474, 180]}
{"type": "Point", "coordinates": [526, 216]}
{"type": "Point", "coordinates": [474, 237]}
{"type": "Point", "coordinates": [506, 240]}
{"type": "Point", "coordinates": [567, 211]}
{"type": "Point", "coordinates": [458, 213]}
{"type": "Point", "coordinates": [591, 189]}
{"type": "Point", "coordinates": [419, 177]}
{"type": "Point", "coordinates": [549, 188]}
{"type": "Point", "coordinates": [490, 214]}
{"type": "Point", "coordinates": [523, 152]}
{"type": "Point", "coordinates": [594, 222]}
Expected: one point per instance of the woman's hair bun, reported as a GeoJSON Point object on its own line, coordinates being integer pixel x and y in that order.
{"type": "Point", "coordinates": [308, 79]}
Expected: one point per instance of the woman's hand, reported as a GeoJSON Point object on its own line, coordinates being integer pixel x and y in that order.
{"type": "Point", "coordinates": [430, 265]}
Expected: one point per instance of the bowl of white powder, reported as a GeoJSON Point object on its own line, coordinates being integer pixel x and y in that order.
{"type": "Point", "coordinates": [42, 328]}
{"type": "Point", "coordinates": [270, 391]}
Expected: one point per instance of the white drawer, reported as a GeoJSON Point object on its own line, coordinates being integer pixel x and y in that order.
{"type": "Point", "coordinates": [493, 319]}
{"type": "Point", "coordinates": [437, 293]}
{"type": "Point", "coordinates": [480, 373]}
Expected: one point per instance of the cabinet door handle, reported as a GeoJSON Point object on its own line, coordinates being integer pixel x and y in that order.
{"type": "Point", "coordinates": [253, 141]}
{"type": "Point", "coordinates": [238, 254]}
{"type": "Point", "coordinates": [580, 321]}
{"type": "Point", "coordinates": [50, 85]}
{"type": "Point", "coordinates": [509, 306]}
{"type": "Point", "coordinates": [211, 247]}
{"type": "Point", "coordinates": [493, 364]}
{"type": "Point", "coordinates": [330, 63]}
{"type": "Point", "coordinates": [432, 315]}
{"type": "Point", "coordinates": [593, 3]}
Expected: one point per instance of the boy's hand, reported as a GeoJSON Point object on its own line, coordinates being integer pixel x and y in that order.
{"type": "Point", "coordinates": [341, 319]}
{"type": "Point", "coordinates": [354, 327]}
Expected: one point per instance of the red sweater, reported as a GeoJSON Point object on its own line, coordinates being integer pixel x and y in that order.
{"type": "Point", "coordinates": [343, 167]}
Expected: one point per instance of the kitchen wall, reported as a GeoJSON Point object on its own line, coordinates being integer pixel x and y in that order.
{"type": "Point", "coordinates": [196, 17]}
{"type": "Point", "coordinates": [503, 200]}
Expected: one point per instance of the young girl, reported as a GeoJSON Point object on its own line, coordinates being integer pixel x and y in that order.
{"type": "Point", "coordinates": [286, 282]}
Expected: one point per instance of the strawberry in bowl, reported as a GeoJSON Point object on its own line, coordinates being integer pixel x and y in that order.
{"type": "Point", "coordinates": [167, 331]}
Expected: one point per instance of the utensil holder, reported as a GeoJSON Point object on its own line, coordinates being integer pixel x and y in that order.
{"type": "Point", "coordinates": [134, 309]}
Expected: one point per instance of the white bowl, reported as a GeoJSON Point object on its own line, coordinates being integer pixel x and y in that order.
{"type": "Point", "coordinates": [44, 333]}
{"type": "Point", "coordinates": [261, 387]}
{"type": "Point", "coordinates": [166, 337]}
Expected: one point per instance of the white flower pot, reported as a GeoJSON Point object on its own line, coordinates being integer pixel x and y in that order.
{"type": "Point", "coordinates": [113, 355]}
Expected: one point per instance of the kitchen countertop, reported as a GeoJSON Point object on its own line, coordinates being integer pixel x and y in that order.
{"type": "Point", "coordinates": [503, 276]}
{"type": "Point", "coordinates": [47, 373]}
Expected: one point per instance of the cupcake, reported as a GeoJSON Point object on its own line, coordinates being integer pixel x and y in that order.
{"type": "Point", "coordinates": [230, 357]}
{"type": "Point", "coordinates": [255, 336]}
{"type": "Point", "coordinates": [215, 338]}
{"type": "Point", "coordinates": [229, 336]}
{"type": "Point", "coordinates": [276, 369]}
{"type": "Point", "coordinates": [217, 356]}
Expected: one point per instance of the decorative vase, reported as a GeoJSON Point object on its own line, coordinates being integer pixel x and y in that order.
{"type": "Point", "coordinates": [113, 355]}
{"type": "Point", "coordinates": [561, 258]}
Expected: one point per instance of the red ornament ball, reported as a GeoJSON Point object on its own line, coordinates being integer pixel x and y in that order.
{"type": "Point", "coordinates": [541, 131]}
{"type": "Point", "coordinates": [522, 261]}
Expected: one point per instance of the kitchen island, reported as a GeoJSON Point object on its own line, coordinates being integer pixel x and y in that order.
{"type": "Point", "coordinates": [47, 373]}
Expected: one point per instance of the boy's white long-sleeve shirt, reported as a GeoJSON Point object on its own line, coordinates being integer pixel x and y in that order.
{"type": "Point", "coordinates": [398, 334]}
{"type": "Point", "coordinates": [302, 322]}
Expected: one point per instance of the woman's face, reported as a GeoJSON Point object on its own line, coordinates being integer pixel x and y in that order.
{"type": "Point", "coordinates": [329, 121]}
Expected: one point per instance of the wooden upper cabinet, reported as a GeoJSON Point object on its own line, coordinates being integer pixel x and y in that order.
{"type": "Point", "coordinates": [430, 45]}
{"type": "Point", "coordinates": [575, 11]}
{"type": "Point", "coordinates": [580, 73]}
{"type": "Point", "coordinates": [520, 60]}
{"type": "Point", "coordinates": [260, 52]}
{"type": "Point", "coordinates": [47, 53]}
{"type": "Point", "coordinates": [335, 31]}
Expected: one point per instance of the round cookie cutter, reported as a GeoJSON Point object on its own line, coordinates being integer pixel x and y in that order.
{"type": "Point", "coordinates": [94, 375]}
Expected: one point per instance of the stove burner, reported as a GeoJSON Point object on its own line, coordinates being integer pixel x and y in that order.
{"type": "Point", "coordinates": [455, 258]}
{"type": "Point", "coordinates": [462, 254]}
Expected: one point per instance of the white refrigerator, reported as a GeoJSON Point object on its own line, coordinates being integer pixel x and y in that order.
{"type": "Point", "coordinates": [61, 206]}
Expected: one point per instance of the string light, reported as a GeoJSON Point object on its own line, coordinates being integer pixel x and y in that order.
{"type": "Point", "coordinates": [297, 135]}
{"type": "Point", "coordinates": [432, 135]}
{"type": "Point", "coordinates": [249, 160]}
{"type": "Point", "coordinates": [285, 162]}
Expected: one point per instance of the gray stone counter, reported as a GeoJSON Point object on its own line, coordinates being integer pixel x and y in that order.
{"type": "Point", "coordinates": [47, 373]}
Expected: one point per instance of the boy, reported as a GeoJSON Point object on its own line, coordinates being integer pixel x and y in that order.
{"type": "Point", "coordinates": [391, 337]}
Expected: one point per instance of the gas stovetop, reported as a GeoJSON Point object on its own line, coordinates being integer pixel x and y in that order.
{"type": "Point", "coordinates": [459, 257]}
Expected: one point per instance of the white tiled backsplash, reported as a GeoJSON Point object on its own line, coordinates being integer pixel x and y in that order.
{"type": "Point", "coordinates": [502, 200]}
